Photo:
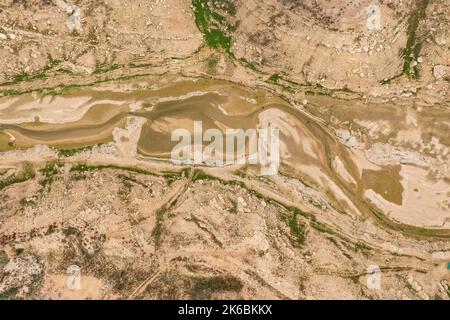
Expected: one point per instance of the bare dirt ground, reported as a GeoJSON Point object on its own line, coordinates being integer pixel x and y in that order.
{"type": "Point", "coordinates": [91, 91]}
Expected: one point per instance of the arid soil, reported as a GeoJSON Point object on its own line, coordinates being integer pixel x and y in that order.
{"type": "Point", "coordinates": [91, 92]}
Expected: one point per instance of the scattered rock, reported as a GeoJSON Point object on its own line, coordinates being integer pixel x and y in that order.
{"type": "Point", "coordinates": [20, 272]}
{"type": "Point", "coordinates": [440, 71]}
{"type": "Point", "coordinates": [385, 154]}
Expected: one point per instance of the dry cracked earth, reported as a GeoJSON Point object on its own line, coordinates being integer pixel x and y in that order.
{"type": "Point", "coordinates": [91, 207]}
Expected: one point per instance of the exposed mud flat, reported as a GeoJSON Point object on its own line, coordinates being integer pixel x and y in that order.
{"type": "Point", "coordinates": [306, 147]}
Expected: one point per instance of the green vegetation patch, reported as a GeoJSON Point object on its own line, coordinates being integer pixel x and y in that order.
{"type": "Point", "coordinates": [240, 173]}
{"type": "Point", "coordinates": [104, 67]}
{"type": "Point", "coordinates": [278, 80]}
{"type": "Point", "coordinates": [201, 175]}
{"type": "Point", "coordinates": [62, 89]}
{"type": "Point", "coordinates": [86, 168]}
{"type": "Point", "coordinates": [413, 44]}
{"type": "Point", "coordinates": [212, 64]}
{"type": "Point", "coordinates": [297, 228]}
{"type": "Point", "coordinates": [36, 75]}
{"type": "Point", "coordinates": [274, 78]}
{"type": "Point", "coordinates": [128, 179]}
{"type": "Point", "coordinates": [71, 152]}
{"type": "Point", "coordinates": [25, 202]}
{"type": "Point", "coordinates": [234, 206]}
{"type": "Point", "coordinates": [212, 23]}
{"type": "Point", "coordinates": [49, 172]}
{"type": "Point", "coordinates": [248, 64]}
{"type": "Point", "coordinates": [171, 177]}
{"type": "Point", "coordinates": [26, 174]}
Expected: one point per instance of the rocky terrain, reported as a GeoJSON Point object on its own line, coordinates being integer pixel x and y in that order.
{"type": "Point", "coordinates": [92, 208]}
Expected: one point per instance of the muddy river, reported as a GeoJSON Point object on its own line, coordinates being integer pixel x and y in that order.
{"type": "Point", "coordinates": [308, 150]}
